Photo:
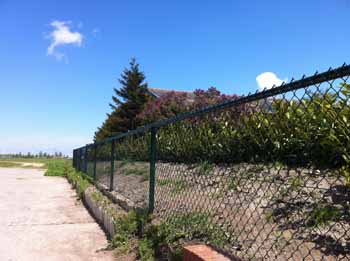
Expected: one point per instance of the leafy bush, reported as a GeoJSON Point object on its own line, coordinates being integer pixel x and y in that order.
{"type": "Point", "coordinates": [133, 148]}
{"type": "Point", "coordinates": [292, 131]}
{"type": "Point", "coordinates": [180, 228]}
{"type": "Point", "coordinates": [192, 226]}
{"type": "Point", "coordinates": [126, 227]}
{"type": "Point", "coordinates": [172, 232]}
{"type": "Point", "coordinates": [128, 237]}
{"type": "Point", "coordinates": [146, 250]}
{"type": "Point", "coordinates": [78, 179]}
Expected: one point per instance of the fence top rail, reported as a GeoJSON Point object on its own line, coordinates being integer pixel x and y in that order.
{"type": "Point", "coordinates": [304, 82]}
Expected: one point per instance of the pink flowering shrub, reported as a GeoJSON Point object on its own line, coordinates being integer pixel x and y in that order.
{"type": "Point", "coordinates": [173, 103]}
{"type": "Point", "coordinates": [164, 107]}
{"type": "Point", "coordinates": [211, 96]}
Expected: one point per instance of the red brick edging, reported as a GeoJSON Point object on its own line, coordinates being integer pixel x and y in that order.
{"type": "Point", "coordinates": [202, 253]}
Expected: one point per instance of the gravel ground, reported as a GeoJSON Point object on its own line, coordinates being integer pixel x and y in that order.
{"type": "Point", "coordinates": [268, 212]}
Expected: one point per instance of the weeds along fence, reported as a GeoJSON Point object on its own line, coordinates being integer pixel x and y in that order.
{"type": "Point", "coordinates": [264, 176]}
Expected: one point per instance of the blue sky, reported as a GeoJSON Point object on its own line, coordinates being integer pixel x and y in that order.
{"type": "Point", "coordinates": [53, 99]}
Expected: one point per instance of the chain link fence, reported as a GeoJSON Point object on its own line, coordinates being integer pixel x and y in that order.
{"type": "Point", "coordinates": [264, 177]}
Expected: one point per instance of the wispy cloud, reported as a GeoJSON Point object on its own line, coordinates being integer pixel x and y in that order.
{"type": "Point", "coordinates": [61, 35]}
{"type": "Point", "coordinates": [95, 31]}
{"type": "Point", "coordinates": [267, 80]}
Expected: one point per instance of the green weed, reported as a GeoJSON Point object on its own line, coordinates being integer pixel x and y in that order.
{"type": "Point", "coordinates": [135, 171]}
{"type": "Point", "coordinates": [322, 215]}
{"type": "Point", "coordinates": [79, 180]}
{"type": "Point", "coordinates": [179, 228]}
{"type": "Point", "coordinates": [146, 250]}
{"type": "Point", "coordinates": [125, 162]}
{"type": "Point", "coordinates": [233, 184]}
{"type": "Point", "coordinates": [205, 168]}
{"type": "Point", "coordinates": [175, 184]}
{"type": "Point", "coordinates": [164, 182]}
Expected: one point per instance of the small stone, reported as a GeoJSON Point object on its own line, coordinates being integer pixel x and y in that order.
{"type": "Point", "coordinates": [287, 235]}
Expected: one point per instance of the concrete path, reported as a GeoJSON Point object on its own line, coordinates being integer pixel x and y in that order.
{"type": "Point", "coordinates": [41, 219]}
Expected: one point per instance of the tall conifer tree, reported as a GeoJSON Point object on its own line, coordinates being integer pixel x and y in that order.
{"type": "Point", "coordinates": [127, 102]}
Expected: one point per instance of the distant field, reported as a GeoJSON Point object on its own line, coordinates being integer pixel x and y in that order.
{"type": "Point", "coordinates": [29, 162]}
{"type": "Point", "coordinates": [9, 164]}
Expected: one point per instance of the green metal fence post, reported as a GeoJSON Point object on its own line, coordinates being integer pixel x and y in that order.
{"type": "Point", "coordinates": [73, 159]}
{"type": "Point", "coordinates": [79, 160]}
{"type": "Point", "coordinates": [86, 159]}
{"type": "Point", "coordinates": [111, 181]}
{"type": "Point", "coordinates": [153, 151]}
{"type": "Point", "coordinates": [95, 160]}
{"type": "Point", "coordinates": [76, 159]}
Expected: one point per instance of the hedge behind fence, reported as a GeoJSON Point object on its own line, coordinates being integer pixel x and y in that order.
{"type": "Point", "coordinates": [314, 129]}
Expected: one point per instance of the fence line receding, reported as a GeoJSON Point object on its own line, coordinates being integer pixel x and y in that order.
{"type": "Point", "coordinates": [264, 176]}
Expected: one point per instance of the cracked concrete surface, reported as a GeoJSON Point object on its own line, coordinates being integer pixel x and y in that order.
{"type": "Point", "coordinates": [40, 219]}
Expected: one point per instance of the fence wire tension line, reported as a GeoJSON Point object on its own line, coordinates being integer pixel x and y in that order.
{"type": "Point", "coordinates": [263, 177]}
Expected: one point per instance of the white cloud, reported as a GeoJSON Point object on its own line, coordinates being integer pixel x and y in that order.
{"type": "Point", "coordinates": [267, 80]}
{"type": "Point", "coordinates": [62, 35]}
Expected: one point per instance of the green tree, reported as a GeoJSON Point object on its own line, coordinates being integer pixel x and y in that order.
{"type": "Point", "coordinates": [127, 102]}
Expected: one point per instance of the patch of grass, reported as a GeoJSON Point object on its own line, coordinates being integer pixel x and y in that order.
{"type": "Point", "coordinates": [164, 182]}
{"type": "Point", "coordinates": [78, 179]}
{"type": "Point", "coordinates": [128, 239]}
{"type": "Point", "coordinates": [233, 183]}
{"type": "Point", "coordinates": [56, 168]}
{"type": "Point", "coordinates": [205, 168]}
{"type": "Point", "coordinates": [125, 162]}
{"type": "Point", "coordinates": [176, 185]}
{"type": "Point", "coordinates": [44, 161]}
{"type": "Point", "coordinates": [135, 171]}
{"type": "Point", "coordinates": [191, 226]}
{"type": "Point", "coordinates": [6, 164]}
{"type": "Point", "coordinates": [279, 165]}
{"type": "Point", "coordinates": [126, 227]}
{"type": "Point", "coordinates": [323, 215]}
{"type": "Point", "coordinates": [248, 175]}
{"type": "Point", "coordinates": [97, 196]}
{"type": "Point", "coordinates": [296, 183]}
{"type": "Point", "coordinates": [345, 171]}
